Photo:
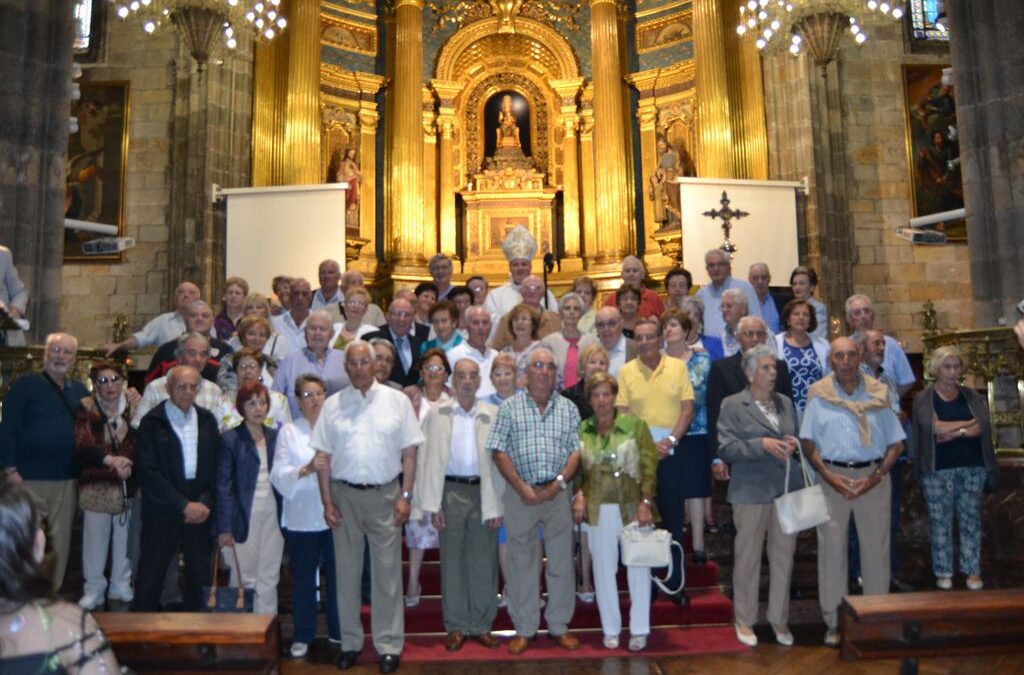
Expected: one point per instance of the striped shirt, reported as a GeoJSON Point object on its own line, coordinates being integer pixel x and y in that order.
{"type": "Point", "coordinates": [186, 428]}
{"type": "Point", "coordinates": [538, 444]}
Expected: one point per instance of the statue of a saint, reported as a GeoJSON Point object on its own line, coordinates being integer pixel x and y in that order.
{"type": "Point", "coordinates": [508, 130]}
{"type": "Point", "coordinates": [344, 168]}
{"type": "Point", "coordinates": [663, 191]}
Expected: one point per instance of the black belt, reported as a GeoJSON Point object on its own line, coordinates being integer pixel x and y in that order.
{"type": "Point", "coordinates": [545, 482]}
{"type": "Point", "coordinates": [367, 486]}
{"type": "Point", "coordinates": [853, 465]}
{"type": "Point", "coordinates": [463, 480]}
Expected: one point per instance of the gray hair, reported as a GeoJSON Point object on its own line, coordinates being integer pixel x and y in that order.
{"type": "Point", "coordinates": [542, 347]}
{"type": "Point", "coordinates": [753, 356]}
{"type": "Point", "coordinates": [940, 356]}
{"type": "Point", "coordinates": [359, 342]}
{"type": "Point", "coordinates": [56, 337]}
{"type": "Point", "coordinates": [477, 309]}
{"type": "Point", "coordinates": [567, 297]}
{"type": "Point", "coordinates": [736, 295]}
{"type": "Point", "coordinates": [436, 258]}
{"type": "Point", "coordinates": [854, 298]}
{"type": "Point", "coordinates": [321, 314]}
{"type": "Point", "coordinates": [199, 303]}
{"type": "Point", "coordinates": [184, 339]}
{"type": "Point", "coordinates": [751, 320]}
{"type": "Point", "coordinates": [692, 302]}
{"type": "Point", "coordinates": [717, 252]}
{"type": "Point", "coordinates": [378, 342]}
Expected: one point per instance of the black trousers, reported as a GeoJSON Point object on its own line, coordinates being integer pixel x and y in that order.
{"type": "Point", "coordinates": [161, 542]}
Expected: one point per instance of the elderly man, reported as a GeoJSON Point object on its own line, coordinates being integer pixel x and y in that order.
{"type": "Point", "coordinates": [535, 445]}
{"type": "Point", "coordinates": [164, 327]}
{"type": "Point", "coordinates": [193, 350]}
{"type": "Point", "coordinates": [519, 248]}
{"type": "Point", "coordinates": [369, 434]}
{"type": "Point", "coordinates": [657, 389]}
{"type": "Point", "coordinates": [770, 304]}
{"type": "Point", "coordinates": [199, 320]}
{"type": "Point", "coordinates": [316, 358]}
{"type": "Point", "coordinates": [475, 348]}
{"type": "Point", "coordinates": [734, 308]}
{"type": "Point", "coordinates": [383, 362]}
{"type": "Point", "coordinates": [37, 440]}
{"type": "Point", "coordinates": [354, 279]}
{"type": "Point", "coordinates": [398, 332]}
{"type": "Point", "coordinates": [719, 267]}
{"type": "Point", "coordinates": [620, 348]}
{"type": "Point", "coordinates": [13, 297]}
{"type": "Point", "coordinates": [861, 317]}
{"type": "Point", "coordinates": [440, 268]}
{"type": "Point", "coordinates": [291, 325]}
{"type": "Point", "coordinates": [633, 274]}
{"type": "Point", "coordinates": [533, 293]}
{"type": "Point", "coordinates": [329, 295]}
{"type": "Point", "coordinates": [852, 438]}
{"type": "Point", "coordinates": [460, 486]}
{"type": "Point", "coordinates": [177, 469]}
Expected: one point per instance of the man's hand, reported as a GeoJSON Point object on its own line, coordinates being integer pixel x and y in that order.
{"type": "Point", "coordinates": [13, 477]}
{"type": "Point", "coordinates": [402, 510]}
{"type": "Point", "coordinates": [321, 462]}
{"type": "Point", "coordinates": [494, 523]}
{"type": "Point", "coordinates": [844, 485]}
{"type": "Point", "coordinates": [665, 447]}
{"type": "Point", "coordinates": [438, 520]}
{"type": "Point", "coordinates": [196, 513]}
{"type": "Point", "coordinates": [579, 508]}
{"type": "Point", "coordinates": [332, 515]}
{"type": "Point", "coordinates": [226, 539]}
{"type": "Point", "coordinates": [529, 495]}
{"type": "Point", "coordinates": [720, 470]}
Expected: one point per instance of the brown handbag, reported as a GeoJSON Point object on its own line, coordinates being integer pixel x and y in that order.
{"type": "Point", "coordinates": [103, 497]}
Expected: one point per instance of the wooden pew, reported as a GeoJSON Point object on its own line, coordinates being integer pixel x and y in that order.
{"type": "Point", "coordinates": [939, 623]}
{"type": "Point", "coordinates": [183, 643]}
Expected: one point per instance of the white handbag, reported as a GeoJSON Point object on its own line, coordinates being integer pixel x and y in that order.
{"type": "Point", "coordinates": [804, 508]}
{"type": "Point", "coordinates": [650, 547]}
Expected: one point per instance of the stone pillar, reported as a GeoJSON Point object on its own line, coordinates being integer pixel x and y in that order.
{"type": "Point", "coordinates": [714, 157]}
{"type": "Point", "coordinates": [406, 237]}
{"type": "Point", "coordinates": [446, 182]}
{"type": "Point", "coordinates": [302, 129]}
{"type": "Point", "coordinates": [35, 79]}
{"type": "Point", "coordinates": [567, 91]}
{"type": "Point", "coordinates": [615, 234]}
{"type": "Point", "coordinates": [989, 85]}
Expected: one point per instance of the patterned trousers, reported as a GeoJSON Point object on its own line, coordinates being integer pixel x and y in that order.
{"type": "Point", "coordinates": [956, 491]}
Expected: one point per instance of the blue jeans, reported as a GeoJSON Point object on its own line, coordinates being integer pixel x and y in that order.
{"type": "Point", "coordinates": [308, 551]}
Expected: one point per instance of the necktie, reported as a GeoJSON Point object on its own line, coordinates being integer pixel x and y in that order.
{"type": "Point", "coordinates": [405, 352]}
{"type": "Point", "coordinates": [572, 358]}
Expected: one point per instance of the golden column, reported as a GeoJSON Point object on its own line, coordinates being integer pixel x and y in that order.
{"type": "Point", "coordinates": [302, 129]}
{"type": "Point", "coordinates": [429, 172]}
{"type": "Point", "coordinates": [714, 157]}
{"type": "Point", "coordinates": [746, 98]}
{"type": "Point", "coordinates": [446, 93]}
{"type": "Point", "coordinates": [615, 232]}
{"type": "Point", "coordinates": [567, 91]}
{"type": "Point", "coordinates": [264, 114]}
{"type": "Point", "coordinates": [587, 173]}
{"type": "Point", "coordinates": [647, 117]}
{"type": "Point", "coordinates": [406, 238]}
{"type": "Point", "coordinates": [368, 118]}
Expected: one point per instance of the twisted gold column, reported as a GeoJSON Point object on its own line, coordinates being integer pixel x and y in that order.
{"type": "Point", "coordinates": [406, 237]}
{"type": "Point", "coordinates": [714, 128]}
{"type": "Point", "coordinates": [302, 129]}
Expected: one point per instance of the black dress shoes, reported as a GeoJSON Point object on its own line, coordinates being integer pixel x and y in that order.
{"type": "Point", "coordinates": [389, 663]}
{"type": "Point", "coordinates": [700, 558]}
{"type": "Point", "coordinates": [347, 659]}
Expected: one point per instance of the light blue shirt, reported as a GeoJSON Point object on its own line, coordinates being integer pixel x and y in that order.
{"type": "Point", "coordinates": [834, 430]}
{"type": "Point", "coordinates": [770, 313]}
{"type": "Point", "coordinates": [896, 364]}
{"type": "Point", "coordinates": [711, 296]}
{"type": "Point", "coordinates": [884, 378]}
{"type": "Point", "coordinates": [304, 362]}
{"type": "Point", "coordinates": [320, 302]}
{"type": "Point", "coordinates": [821, 315]}
{"type": "Point", "coordinates": [186, 428]}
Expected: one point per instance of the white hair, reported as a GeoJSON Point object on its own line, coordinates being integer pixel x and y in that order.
{"type": "Point", "coordinates": [736, 295]}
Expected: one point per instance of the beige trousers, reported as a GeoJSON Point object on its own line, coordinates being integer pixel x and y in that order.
{"type": "Point", "coordinates": [57, 500]}
{"type": "Point", "coordinates": [754, 522]}
{"type": "Point", "coordinates": [259, 556]}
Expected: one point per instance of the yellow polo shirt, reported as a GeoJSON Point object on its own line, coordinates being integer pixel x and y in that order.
{"type": "Point", "coordinates": [654, 395]}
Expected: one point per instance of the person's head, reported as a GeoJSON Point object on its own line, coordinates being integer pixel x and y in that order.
{"type": "Point", "coordinates": [477, 285]}
{"type": "Point", "coordinates": [462, 298]}
{"type": "Point", "coordinates": [522, 322]}
{"type": "Point", "coordinates": [859, 312]}
{"type": "Point", "coordinates": [60, 355]}
{"type": "Point", "coordinates": [359, 364]}
{"type": "Point", "coordinates": [608, 322]}
{"type": "Point", "coordinates": [718, 264]}
{"type": "Point", "coordinates": [301, 294]}
{"type": "Point", "coordinates": [108, 380]}
{"type": "Point", "coordinates": [24, 565]}
{"type": "Point", "coordinates": [845, 361]}
{"type": "Point", "coordinates": [798, 317]}
{"type": "Point", "coordinates": [254, 331]}
{"type": "Point", "coordinates": [252, 401]}
{"type": "Point", "coordinates": [329, 274]}
{"type": "Point", "coordinates": [760, 368]}
{"type": "Point", "coordinates": [734, 306]}
{"type": "Point", "coordinates": [600, 391]}
{"type": "Point", "coordinates": [318, 331]}
{"type": "Point", "coordinates": [235, 290]}
{"type": "Point", "coordinates": [570, 308]}
{"type": "Point", "coordinates": [282, 286]}
{"type": "Point", "coordinates": [426, 295]}
{"type": "Point", "coordinates": [478, 321]}
{"type": "Point", "coordinates": [466, 380]}
{"type": "Point", "coordinates": [751, 331]}
{"type": "Point", "coordinates": [803, 280]}
{"type": "Point", "coordinates": [406, 294]}
{"type": "Point", "coordinates": [627, 299]}
{"type": "Point", "coordinates": [400, 316]}
{"type": "Point", "coordinates": [356, 301]}
{"type": "Point", "coordinates": [694, 308]}
{"type": "Point", "coordinates": [434, 368]}
{"type": "Point", "coordinates": [946, 365]}
{"type": "Point", "coordinates": [519, 269]}
{"type": "Point", "coordinates": [586, 289]}
{"type": "Point", "coordinates": [248, 364]}
{"type": "Point", "coordinates": [444, 318]}
{"type": "Point", "coordinates": [440, 268]}
{"type": "Point", "coordinates": [675, 325]}
{"type": "Point", "coordinates": [199, 318]}
{"type": "Point", "coordinates": [384, 359]}
{"type": "Point", "coordinates": [183, 384]}
{"type": "Point", "coordinates": [593, 359]}
{"type": "Point", "coordinates": [871, 345]}
{"type": "Point", "coordinates": [678, 283]}
{"type": "Point", "coordinates": [184, 295]}
{"type": "Point", "coordinates": [541, 369]}
{"type": "Point", "coordinates": [193, 350]}
{"type": "Point", "coordinates": [533, 290]}
{"type": "Point", "coordinates": [647, 335]}
{"type": "Point", "coordinates": [310, 392]}
{"type": "Point", "coordinates": [760, 278]}
{"type": "Point", "coordinates": [258, 305]}
{"type": "Point", "coordinates": [633, 271]}
{"type": "Point", "coordinates": [503, 374]}
{"type": "Point", "coordinates": [351, 279]}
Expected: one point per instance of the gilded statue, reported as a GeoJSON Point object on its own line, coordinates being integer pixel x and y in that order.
{"type": "Point", "coordinates": [344, 168]}
{"type": "Point", "coordinates": [663, 191]}
{"type": "Point", "coordinates": [508, 130]}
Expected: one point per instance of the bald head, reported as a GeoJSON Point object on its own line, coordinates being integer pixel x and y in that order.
{"type": "Point", "coordinates": [532, 290]}
{"type": "Point", "coordinates": [184, 295]}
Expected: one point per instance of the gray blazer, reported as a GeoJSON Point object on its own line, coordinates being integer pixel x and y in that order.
{"type": "Point", "coordinates": [12, 293]}
{"type": "Point", "coordinates": [757, 477]}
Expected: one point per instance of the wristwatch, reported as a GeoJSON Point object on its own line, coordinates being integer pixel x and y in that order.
{"type": "Point", "coordinates": [406, 495]}
{"type": "Point", "coordinates": [963, 431]}
{"type": "Point", "coordinates": [672, 439]}
{"type": "Point", "coordinates": [561, 481]}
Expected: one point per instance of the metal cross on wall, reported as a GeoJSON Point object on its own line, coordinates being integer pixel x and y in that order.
{"type": "Point", "coordinates": [727, 215]}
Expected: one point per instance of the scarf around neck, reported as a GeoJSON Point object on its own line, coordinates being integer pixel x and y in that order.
{"type": "Point", "coordinates": [827, 389]}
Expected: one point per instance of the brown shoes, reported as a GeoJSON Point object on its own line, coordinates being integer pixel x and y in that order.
{"type": "Point", "coordinates": [454, 640]}
{"type": "Point", "coordinates": [518, 645]}
{"type": "Point", "coordinates": [566, 641]}
{"type": "Point", "coordinates": [488, 640]}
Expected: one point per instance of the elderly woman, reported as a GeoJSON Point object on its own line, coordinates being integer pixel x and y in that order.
{"type": "Point", "coordinates": [617, 480]}
{"type": "Point", "coordinates": [634, 273]}
{"type": "Point", "coordinates": [678, 283]}
{"type": "Point", "coordinates": [804, 354]}
{"type": "Point", "coordinates": [953, 457]}
{"type": "Point", "coordinates": [247, 517]}
{"type": "Point", "coordinates": [568, 343]}
{"type": "Point", "coordinates": [503, 377]}
{"type": "Point", "coordinates": [281, 299]}
{"type": "Point", "coordinates": [444, 318]}
{"type": "Point", "coordinates": [105, 453]}
{"type": "Point", "coordinates": [627, 299]}
{"type": "Point", "coordinates": [426, 296]}
{"type": "Point", "coordinates": [757, 436]}
{"type": "Point", "coordinates": [315, 358]}
{"type": "Point", "coordinates": [587, 290]}
{"type": "Point", "coordinates": [593, 360]}
{"type": "Point", "coordinates": [310, 543]}
{"type": "Point", "coordinates": [251, 366]}
{"type": "Point", "coordinates": [803, 281]}
{"type": "Point", "coordinates": [232, 307]}
{"type": "Point", "coordinates": [255, 333]}
{"type": "Point", "coordinates": [353, 327]}
{"type": "Point", "coordinates": [523, 322]}
{"type": "Point", "coordinates": [39, 632]}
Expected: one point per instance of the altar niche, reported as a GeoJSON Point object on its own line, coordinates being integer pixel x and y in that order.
{"type": "Point", "coordinates": [507, 123]}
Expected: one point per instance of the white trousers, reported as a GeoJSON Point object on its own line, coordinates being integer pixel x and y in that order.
{"type": "Point", "coordinates": [604, 553]}
{"type": "Point", "coordinates": [259, 556]}
{"type": "Point", "coordinates": [102, 532]}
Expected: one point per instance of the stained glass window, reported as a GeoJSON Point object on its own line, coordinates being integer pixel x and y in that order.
{"type": "Point", "coordinates": [83, 26]}
{"type": "Point", "coordinates": [923, 26]}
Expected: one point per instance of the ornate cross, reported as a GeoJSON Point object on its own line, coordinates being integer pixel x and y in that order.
{"type": "Point", "coordinates": [727, 215]}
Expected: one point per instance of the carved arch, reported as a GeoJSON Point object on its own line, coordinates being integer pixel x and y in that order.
{"type": "Point", "coordinates": [545, 35]}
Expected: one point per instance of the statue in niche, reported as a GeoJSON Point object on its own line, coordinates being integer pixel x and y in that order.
{"type": "Point", "coordinates": [344, 168]}
{"type": "Point", "coordinates": [507, 145]}
{"type": "Point", "coordinates": [508, 129]}
{"type": "Point", "coordinates": [662, 191]}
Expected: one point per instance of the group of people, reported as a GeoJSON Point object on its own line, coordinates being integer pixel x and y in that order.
{"type": "Point", "coordinates": [488, 423]}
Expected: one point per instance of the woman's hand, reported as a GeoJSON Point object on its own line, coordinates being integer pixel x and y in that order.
{"type": "Point", "coordinates": [226, 539]}
{"type": "Point", "coordinates": [579, 508]}
{"type": "Point", "coordinates": [779, 448]}
{"type": "Point", "coordinates": [320, 462]}
{"type": "Point", "coordinates": [643, 513]}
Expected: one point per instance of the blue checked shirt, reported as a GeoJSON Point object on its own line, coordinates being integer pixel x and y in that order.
{"type": "Point", "coordinates": [538, 445]}
{"type": "Point", "coordinates": [834, 429]}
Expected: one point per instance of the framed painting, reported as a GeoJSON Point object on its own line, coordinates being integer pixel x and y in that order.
{"type": "Point", "coordinates": [933, 149]}
{"type": "Point", "coordinates": [97, 158]}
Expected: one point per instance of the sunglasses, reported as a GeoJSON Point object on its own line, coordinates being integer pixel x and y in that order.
{"type": "Point", "coordinates": [113, 379]}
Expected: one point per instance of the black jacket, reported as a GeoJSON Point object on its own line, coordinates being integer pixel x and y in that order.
{"type": "Point", "coordinates": [727, 378]}
{"type": "Point", "coordinates": [417, 337]}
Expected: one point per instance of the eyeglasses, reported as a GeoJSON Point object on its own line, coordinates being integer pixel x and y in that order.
{"type": "Point", "coordinates": [433, 368]}
{"type": "Point", "coordinates": [250, 365]}
{"type": "Point", "coordinates": [316, 393]}
{"type": "Point", "coordinates": [113, 379]}
{"type": "Point", "coordinates": [194, 352]}
{"type": "Point", "coordinates": [606, 324]}
{"type": "Point", "coordinates": [753, 333]}
{"type": "Point", "coordinates": [185, 386]}
{"type": "Point", "coordinates": [544, 365]}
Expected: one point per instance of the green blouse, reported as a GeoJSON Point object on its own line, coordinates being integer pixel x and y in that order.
{"type": "Point", "coordinates": [619, 468]}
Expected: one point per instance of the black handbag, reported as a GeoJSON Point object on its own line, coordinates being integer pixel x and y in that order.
{"type": "Point", "coordinates": [220, 599]}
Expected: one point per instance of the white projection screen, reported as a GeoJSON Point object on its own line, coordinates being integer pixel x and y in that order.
{"type": "Point", "coordinates": [283, 230]}
{"type": "Point", "coordinates": [768, 234]}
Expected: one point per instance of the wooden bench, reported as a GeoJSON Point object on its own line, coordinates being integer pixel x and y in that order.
{"type": "Point", "coordinates": [193, 643]}
{"type": "Point", "coordinates": [940, 623]}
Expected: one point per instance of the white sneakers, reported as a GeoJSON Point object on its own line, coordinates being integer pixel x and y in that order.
{"type": "Point", "coordinates": [944, 583]}
{"type": "Point", "coordinates": [637, 643]}
{"type": "Point", "coordinates": [91, 601]}
{"type": "Point", "coordinates": [611, 641]}
{"type": "Point", "coordinates": [974, 583]}
{"type": "Point", "coordinates": [299, 650]}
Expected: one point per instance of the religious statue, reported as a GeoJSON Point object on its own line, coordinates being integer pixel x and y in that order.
{"type": "Point", "coordinates": [344, 168]}
{"type": "Point", "coordinates": [508, 130]}
{"type": "Point", "coordinates": [663, 191]}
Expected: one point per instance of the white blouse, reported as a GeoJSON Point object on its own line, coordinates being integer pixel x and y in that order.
{"type": "Point", "coordinates": [301, 508]}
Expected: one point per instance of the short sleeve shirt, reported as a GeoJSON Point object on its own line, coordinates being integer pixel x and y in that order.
{"type": "Point", "coordinates": [539, 444]}
{"type": "Point", "coordinates": [655, 395]}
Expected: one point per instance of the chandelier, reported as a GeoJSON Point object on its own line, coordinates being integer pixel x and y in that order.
{"type": "Point", "coordinates": [817, 25]}
{"type": "Point", "coordinates": [200, 22]}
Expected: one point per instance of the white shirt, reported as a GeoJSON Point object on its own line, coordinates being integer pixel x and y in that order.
{"type": "Point", "coordinates": [483, 360]}
{"type": "Point", "coordinates": [463, 460]}
{"type": "Point", "coordinates": [365, 435]}
{"type": "Point", "coordinates": [293, 336]}
{"type": "Point", "coordinates": [161, 329]}
{"type": "Point", "coordinates": [503, 298]}
{"type": "Point", "coordinates": [209, 397]}
{"type": "Point", "coordinates": [279, 414]}
{"type": "Point", "coordinates": [301, 508]}
{"type": "Point", "coordinates": [186, 428]}
{"type": "Point", "coordinates": [617, 356]}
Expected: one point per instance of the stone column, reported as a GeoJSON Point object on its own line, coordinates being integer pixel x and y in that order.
{"type": "Point", "coordinates": [406, 237]}
{"type": "Point", "coordinates": [446, 182]}
{"type": "Point", "coordinates": [714, 157]}
{"type": "Point", "coordinates": [615, 232]}
{"type": "Point", "coordinates": [567, 91]}
{"type": "Point", "coordinates": [302, 129]}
